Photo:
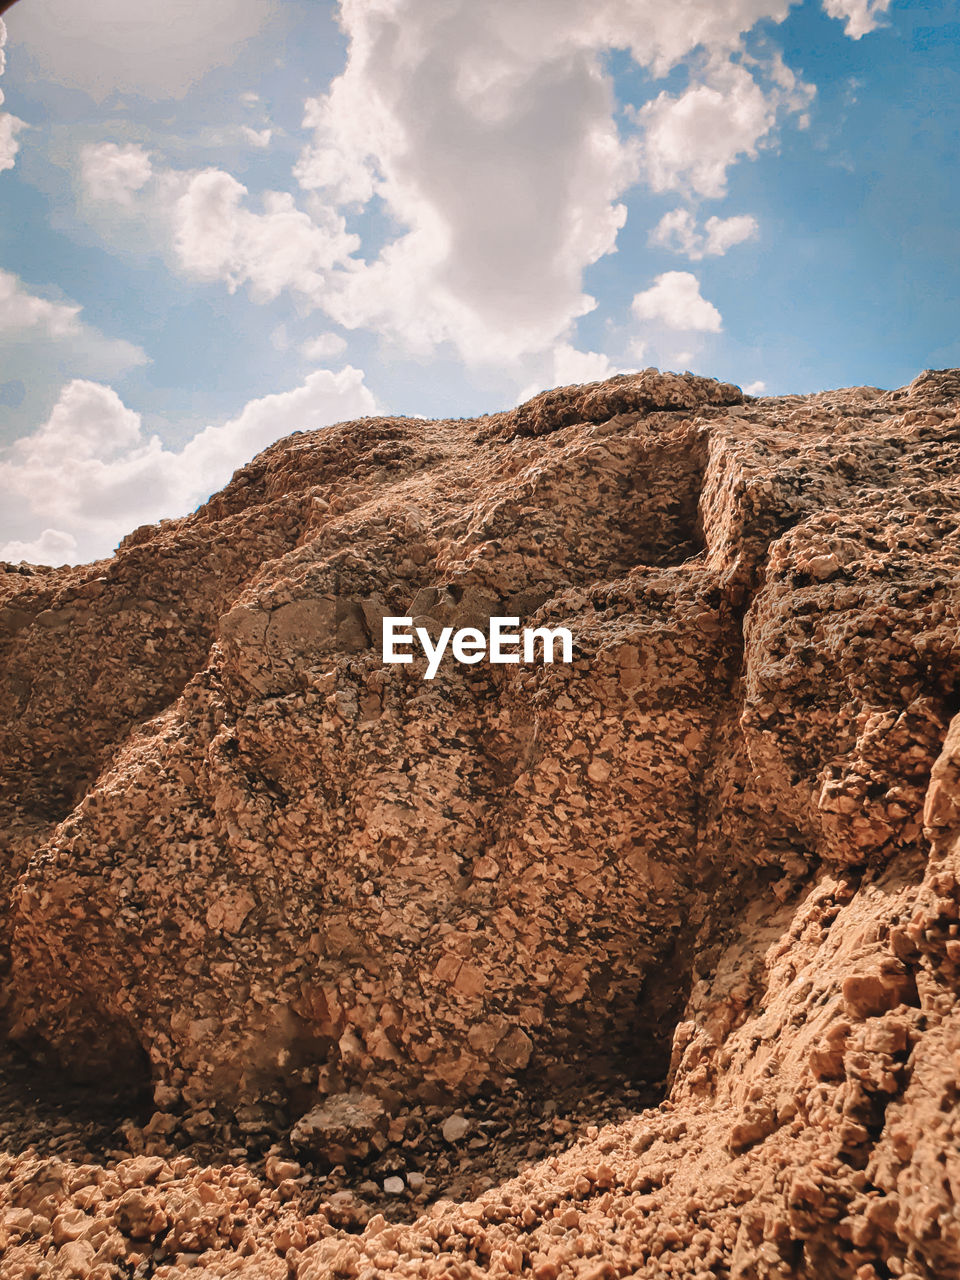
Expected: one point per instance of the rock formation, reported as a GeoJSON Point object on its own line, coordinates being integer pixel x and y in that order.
{"type": "Point", "coordinates": [250, 867]}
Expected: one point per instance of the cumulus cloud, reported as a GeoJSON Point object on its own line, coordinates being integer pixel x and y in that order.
{"type": "Point", "coordinates": [114, 173]}
{"type": "Point", "coordinates": [491, 142]}
{"type": "Point", "coordinates": [324, 398]}
{"type": "Point", "coordinates": [90, 473]}
{"type": "Point", "coordinates": [755, 388]}
{"type": "Point", "coordinates": [128, 195]}
{"type": "Point", "coordinates": [495, 148]}
{"type": "Point", "coordinates": [156, 51]}
{"type": "Point", "coordinates": [860, 16]}
{"type": "Point", "coordinates": [53, 546]}
{"type": "Point", "coordinates": [490, 138]}
{"type": "Point", "coordinates": [573, 366]}
{"type": "Point", "coordinates": [204, 219]}
{"type": "Point", "coordinates": [675, 302]}
{"type": "Point", "coordinates": [10, 125]}
{"type": "Point", "coordinates": [691, 139]}
{"type": "Point", "coordinates": [20, 311]}
{"type": "Point", "coordinates": [679, 232]}
{"type": "Point", "coordinates": [567, 366]}
{"type": "Point", "coordinates": [325, 347]}
{"type": "Point", "coordinates": [36, 329]}
{"type": "Point", "coordinates": [256, 137]}
{"type": "Point", "coordinates": [218, 238]}
{"type": "Point", "coordinates": [43, 341]}
{"type": "Point", "coordinates": [722, 234]}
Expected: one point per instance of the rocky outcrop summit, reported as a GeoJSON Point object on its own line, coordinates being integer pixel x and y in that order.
{"type": "Point", "coordinates": [300, 896]}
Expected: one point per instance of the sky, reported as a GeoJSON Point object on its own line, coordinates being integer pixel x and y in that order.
{"type": "Point", "coordinates": [225, 222]}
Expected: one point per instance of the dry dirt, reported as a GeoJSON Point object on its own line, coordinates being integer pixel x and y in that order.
{"type": "Point", "coordinates": [643, 965]}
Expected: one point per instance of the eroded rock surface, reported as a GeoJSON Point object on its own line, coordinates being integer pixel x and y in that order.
{"type": "Point", "coordinates": [262, 873]}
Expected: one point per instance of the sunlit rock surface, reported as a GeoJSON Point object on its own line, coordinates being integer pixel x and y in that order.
{"type": "Point", "coordinates": [251, 867]}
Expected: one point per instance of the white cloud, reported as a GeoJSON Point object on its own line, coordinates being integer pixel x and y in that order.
{"type": "Point", "coordinates": [217, 238]}
{"type": "Point", "coordinates": [678, 231]}
{"type": "Point", "coordinates": [128, 195]}
{"type": "Point", "coordinates": [755, 388]}
{"type": "Point", "coordinates": [10, 125]}
{"type": "Point", "coordinates": [567, 366]}
{"type": "Point", "coordinates": [690, 140]}
{"type": "Point", "coordinates": [490, 137]}
{"type": "Point", "coordinates": [256, 137]}
{"type": "Point", "coordinates": [674, 301]}
{"type": "Point", "coordinates": [324, 398]}
{"type": "Point", "coordinates": [53, 546]}
{"type": "Point", "coordinates": [325, 347]}
{"type": "Point", "coordinates": [490, 140]}
{"type": "Point", "coordinates": [42, 342]}
{"type": "Point", "coordinates": [660, 35]}
{"type": "Point", "coordinates": [573, 366]}
{"type": "Point", "coordinates": [90, 474]}
{"type": "Point", "coordinates": [84, 466]}
{"type": "Point", "coordinates": [861, 16]}
{"type": "Point", "coordinates": [155, 51]}
{"type": "Point", "coordinates": [88, 421]}
{"type": "Point", "coordinates": [20, 310]}
{"type": "Point", "coordinates": [114, 173]}
{"type": "Point", "coordinates": [203, 220]}
{"type": "Point", "coordinates": [30, 324]}
{"type": "Point", "coordinates": [724, 233]}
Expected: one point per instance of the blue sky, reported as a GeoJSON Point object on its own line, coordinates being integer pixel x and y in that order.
{"type": "Point", "coordinates": [226, 222]}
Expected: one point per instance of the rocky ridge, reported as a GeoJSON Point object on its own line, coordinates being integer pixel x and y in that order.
{"type": "Point", "coordinates": [317, 907]}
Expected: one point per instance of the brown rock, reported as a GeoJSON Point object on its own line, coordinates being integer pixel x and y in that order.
{"type": "Point", "coordinates": [139, 1215]}
{"type": "Point", "coordinates": [260, 868]}
{"type": "Point", "coordinates": [342, 1129]}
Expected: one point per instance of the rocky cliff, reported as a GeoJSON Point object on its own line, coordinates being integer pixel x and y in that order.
{"type": "Point", "coordinates": [303, 897]}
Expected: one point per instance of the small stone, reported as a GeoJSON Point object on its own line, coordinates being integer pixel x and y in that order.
{"type": "Point", "coordinates": [75, 1259]}
{"type": "Point", "coordinates": [394, 1186]}
{"type": "Point", "coordinates": [165, 1096]}
{"type": "Point", "coordinates": [416, 1181]}
{"type": "Point", "coordinates": [455, 1128]}
{"type": "Point", "coordinates": [867, 995]}
{"type": "Point", "coordinates": [278, 1171]}
{"type": "Point", "coordinates": [70, 1225]}
{"type": "Point", "coordinates": [140, 1215]}
{"type": "Point", "coordinates": [823, 567]}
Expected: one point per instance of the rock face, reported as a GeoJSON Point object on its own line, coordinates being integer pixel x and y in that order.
{"type": "Point", "coordinates": [253, 866]}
